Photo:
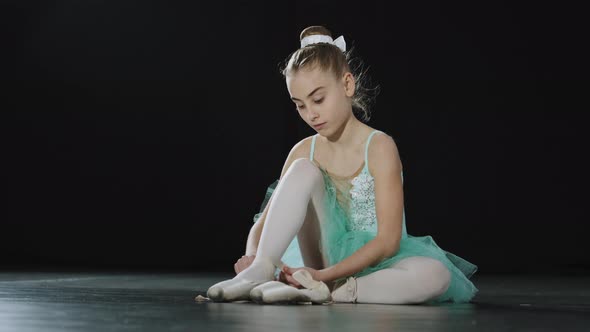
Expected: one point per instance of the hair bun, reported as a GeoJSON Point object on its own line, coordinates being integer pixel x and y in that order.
{"type": "Point", "coordinates": [315, 30]}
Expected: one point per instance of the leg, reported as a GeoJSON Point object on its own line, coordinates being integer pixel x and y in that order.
{"type": "Point", "coordinates": [294, 211]}
{"type": "Point", "coordinates": [285, 217]}
{"type": "Point", "coordinates": [309, 239]}
{"type": "Point", "coordinates": [309, 236]}
{"type": "Point", "coordinates": [412, 280]}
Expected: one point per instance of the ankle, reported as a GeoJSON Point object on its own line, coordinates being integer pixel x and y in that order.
{"type": "Point", "coordinates": [259, 270]}
{"type": "Point", "coordinates": [263, 260]}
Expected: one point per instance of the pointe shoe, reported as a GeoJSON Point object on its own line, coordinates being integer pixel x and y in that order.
{"type": "Point", "coordinates": [231, 290]}
{"type": "Point", "coordinates": [345, 291]}
{"type": "Point", "coordinates": [274, 292]}
{"type": "Point", "coordinates": [238, 288]}
{"type": "Point", "coordinates": [256, 292]}
{"type": "Point", "coordinates": [317, 291]}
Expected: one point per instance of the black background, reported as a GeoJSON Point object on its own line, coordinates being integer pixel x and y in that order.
{"type": "Point", "coordinates": [143, 134]}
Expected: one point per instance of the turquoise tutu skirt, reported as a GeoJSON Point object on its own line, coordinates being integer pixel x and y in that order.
{"type": "Point", "coordinates": [339, 242]}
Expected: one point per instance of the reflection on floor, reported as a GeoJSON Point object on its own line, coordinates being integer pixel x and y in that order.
{"type": "Point", "coordinates": [118, 301]}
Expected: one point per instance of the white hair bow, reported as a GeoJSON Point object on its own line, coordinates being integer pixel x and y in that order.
{"type": "Point", "coordinates": [313, 39]}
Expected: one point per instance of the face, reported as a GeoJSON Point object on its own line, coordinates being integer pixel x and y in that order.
{"type": "Point", "coordinates": [321, 98]}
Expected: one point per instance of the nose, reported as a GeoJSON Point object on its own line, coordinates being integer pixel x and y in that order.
{"type": "Point", "coordinates": [313, 115]}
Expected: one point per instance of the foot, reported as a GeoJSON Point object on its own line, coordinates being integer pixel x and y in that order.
{"type": "Point", "coordinates": [317, 291]}
{"type": "Point", "coordinates": [345, 291]}
{"type": "Point", "coordinates": [274, 292]}
{"type": "Point", "coordinates": [237, 289]}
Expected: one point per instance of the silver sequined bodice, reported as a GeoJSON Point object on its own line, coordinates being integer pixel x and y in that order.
{"type": "Point", "coordinates": [363, 215]}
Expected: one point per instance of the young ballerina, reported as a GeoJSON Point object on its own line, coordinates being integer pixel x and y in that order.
{"type": "Point", "coordinates": [334, 222]}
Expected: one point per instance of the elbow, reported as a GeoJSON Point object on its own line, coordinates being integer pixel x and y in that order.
{"type": "Point", "coordinates": [390, 249]}
{"type": "Point", "coordinates": [389, 245]}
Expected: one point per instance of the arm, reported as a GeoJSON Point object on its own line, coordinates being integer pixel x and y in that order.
{"type": "Point", "coordinates": [255, 232]}
{"type": "Point", "coordinates": [389, 203]}
{"type": "Point", "coordinates": [371, 253]}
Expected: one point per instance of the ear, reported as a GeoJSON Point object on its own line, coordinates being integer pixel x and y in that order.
{"type": "Point", "coordinates": [349, 83]}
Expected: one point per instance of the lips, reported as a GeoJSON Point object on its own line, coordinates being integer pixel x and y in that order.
{"type": "Point", "coordinates": [319, 125]}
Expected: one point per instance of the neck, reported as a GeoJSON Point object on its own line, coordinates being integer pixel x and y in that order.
{"type": "Point", "coordinates": [349, 135]}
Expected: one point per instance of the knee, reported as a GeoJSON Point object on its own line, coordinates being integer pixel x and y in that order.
{"type": "Point", "coordinates": [438, 277]}
{"type": "Point", "coordinates": [433, 276]}
{"type": "Point", "coordinates": [444, 277]}
{"type": "Point", "coordinates": [307, 167]}
{"type": "Point", "coordinates": [305, 177]}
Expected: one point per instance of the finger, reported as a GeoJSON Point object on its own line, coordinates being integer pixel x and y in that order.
{"type": "Point", "coordinates": [287, 270]}
{"type": "Point", "coordinates": [242, 265]}
{"type": "Point", "coordinates": [293, 281]}
{"type": "Point", "coordinates": [284, 277]}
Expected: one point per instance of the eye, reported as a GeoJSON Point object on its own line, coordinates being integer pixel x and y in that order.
{"type": "Point", "coordinates": [319, 101]}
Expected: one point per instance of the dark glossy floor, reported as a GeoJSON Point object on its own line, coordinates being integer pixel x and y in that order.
{"type": "Point", "coordinates": [118, 301]}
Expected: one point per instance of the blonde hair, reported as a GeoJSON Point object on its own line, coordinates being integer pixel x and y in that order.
{"type": "Point", "coordinates": [331, 59]}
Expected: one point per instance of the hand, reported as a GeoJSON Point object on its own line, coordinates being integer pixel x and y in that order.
{"type": "Point", "coordinates": [243, 263]}
{"type": "Point", "coordinates": [283, 278]}
{"type": "Point", "coordinates": [287, 274]}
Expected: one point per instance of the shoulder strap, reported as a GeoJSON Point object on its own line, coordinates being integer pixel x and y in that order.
{"type": "Point", "coordinates": [367, 148]}
{"type": "Point", "coordinates": [312, 147]}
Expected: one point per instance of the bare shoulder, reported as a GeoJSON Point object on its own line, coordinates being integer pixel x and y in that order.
{"type": "Point", "coordinates": [300, 150]}
{"type": "Point", "coordinates": [383, 154]}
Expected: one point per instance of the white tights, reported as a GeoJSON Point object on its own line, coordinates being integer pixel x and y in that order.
{"type": "Point", "coordinates": [296, 210]}
{"type": "Point", "coordinates": [411, 280]}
